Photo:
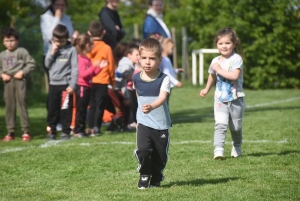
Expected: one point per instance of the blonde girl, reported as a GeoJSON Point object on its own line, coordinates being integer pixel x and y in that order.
{"type": "Point", "coordinates": [227, 71]}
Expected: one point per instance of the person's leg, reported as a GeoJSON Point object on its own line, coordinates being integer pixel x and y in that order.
{"type": "Point", "coordinates": [101, 94]}
{"type": "Point", "coordinates": [161, 140]}
{"type": "Point", "coordinates": [92, 109]}
{"type": "Point", "coordinates": [21, 96]}
{"type": "Point", "coordinates": [143, 154]}
{"type": "Point", "coordinates": [66, 112]}
{"type": "Point", "coordinates": [82, 97]}
{"type": "Point", "coordinates": [10, 105]}
{"type": "Point", "coordinates": [143, 150]}
{"type": "Point", "coordinates": [53, 110]}
{"type": "Point", "coordinates": [221, 114]}
{"type": "Point", "coordinates": [133, 106]}
{"type": "Point", "coordinates": [235, 125]}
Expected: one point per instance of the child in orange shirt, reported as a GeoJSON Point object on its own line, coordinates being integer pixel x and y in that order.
{"type": "Point", "coordinates": [101, 51]}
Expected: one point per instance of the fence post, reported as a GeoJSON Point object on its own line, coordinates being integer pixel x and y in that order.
{"type": "Point", "coordinates": [184, 52]}
{"type": "Point", "coordinates": [136, 30]}
{"type": "Point", "coordinates": [173, 30]}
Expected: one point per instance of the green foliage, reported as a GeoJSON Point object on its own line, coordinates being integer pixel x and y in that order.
{"type": "Point", "coordinates": [269, 32]}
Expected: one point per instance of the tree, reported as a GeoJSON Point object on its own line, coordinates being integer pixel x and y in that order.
{"type": "Point", "coordinates": [269, 32]}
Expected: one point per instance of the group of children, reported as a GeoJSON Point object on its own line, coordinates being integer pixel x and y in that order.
{"type": "Point", "coordinates": [87, 69]}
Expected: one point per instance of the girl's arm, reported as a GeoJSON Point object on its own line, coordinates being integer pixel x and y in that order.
{"type": "Point", "coordinates": [230, 75]}
{"type": "Point", "coordinates": [210, 81]}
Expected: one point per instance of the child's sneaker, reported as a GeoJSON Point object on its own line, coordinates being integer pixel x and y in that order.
{"type": "Point", "coordinates": [154, 184]}
{"type": "Point", "coordinates": [236, 151]}
{"type": "Point", "coordinates": [80, 135]}
{"type": "Point", "coordinates": [219, 154]}
{"type": "Point", "coordinates": [143, 182]}
{"type": "Point", "coordinates": [9, 137]}
{"type": "Point", "coordinates": [50, 135]}
{"type": "Point", "coordinates": [26, 137]}
{"type": "Point", "coordinates": [64, 136]}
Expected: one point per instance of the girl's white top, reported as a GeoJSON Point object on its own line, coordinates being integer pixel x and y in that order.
{"type": "Point", "coordinates": [228, 90]}
{"type": "Point", "coordinates": [49, 22]}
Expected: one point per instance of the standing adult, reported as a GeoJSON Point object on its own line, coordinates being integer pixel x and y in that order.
{"type": "Point", "coordinates": [110, 19]}
{"type": "Point", "coordinates": [54, 15]}
{"type": "Point", "coordinates": [154, 21]}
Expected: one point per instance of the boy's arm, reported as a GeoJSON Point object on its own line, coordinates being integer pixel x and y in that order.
{"type": "Point", "coordinates": [167, 70]}
{"type": "Point", "coordinates": [74, 68]}
{"type": "Point", "coordinates": [163, 94]}
{"type": "Point", "coordinates": [29, 62]}
{"type": "Point", "coordinates": [111, 67]}
{"type": "Point", "coordinates": [49, 59]}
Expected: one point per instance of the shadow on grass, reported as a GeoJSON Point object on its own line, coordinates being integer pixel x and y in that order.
{"type": "Point", "coordinates": [284, 153]}
{"type": "Point", "coordinates": [192, 115]}
{"type": "Point", "coordinates": [200, 182]}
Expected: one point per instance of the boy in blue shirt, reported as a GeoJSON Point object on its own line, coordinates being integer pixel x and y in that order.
{"type": "Point", "coordinates": [153, 118]}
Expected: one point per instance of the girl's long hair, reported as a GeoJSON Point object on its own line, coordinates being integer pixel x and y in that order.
{"type": "Point", "coordinates": [81, 41]}
{"type": "Point", "coordinates": [234, 38]}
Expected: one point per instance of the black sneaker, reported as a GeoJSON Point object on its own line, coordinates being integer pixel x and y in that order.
{"type": "Point", "coordinates": [51, 136]}
{"type": "Point", "coordinates": [112, 128]}
{"type": "Point", "coordinates": [80, 135]}
{"type": "Point", "coordinates": [143, 182]}
{"type": "Point", "coordinates": [64, 136]}
{"type": "Point", "coordinates": [154, 184]}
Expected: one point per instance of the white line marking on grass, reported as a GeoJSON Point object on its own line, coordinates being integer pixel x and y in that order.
{"type": "Point", "coordinates": [273, 102]}
{"type": "Point", "coordinates": [247, 107]}
{"type": "Point", "coordinates": [58, 143]}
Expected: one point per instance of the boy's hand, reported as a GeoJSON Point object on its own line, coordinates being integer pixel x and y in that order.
{"type": "Point", "coordinates": [180, 70]}
{"type": "Point", "coordinates": [203, 92]}
{"type": "Point", "coordinates": [146, 108]}
{"type": "Point", "coordinates": [179, 85]}
{"type": "Point", "coordinates": [70, 90]}
{"type": "Point", "coordinates": [54, 47]}
{"type": "Point", "coordinates": [19, 75]}
{"type": "Point", "coordinates": [5, 77]}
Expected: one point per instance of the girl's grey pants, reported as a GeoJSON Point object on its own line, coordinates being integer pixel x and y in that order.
{"type": "Point", "coordinates": [228, 113]}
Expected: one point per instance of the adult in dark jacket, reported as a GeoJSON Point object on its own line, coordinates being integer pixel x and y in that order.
{"type": "Point", "coordinates": [110, 19]}
{"type": "Point", "coordinates": [154, 21]}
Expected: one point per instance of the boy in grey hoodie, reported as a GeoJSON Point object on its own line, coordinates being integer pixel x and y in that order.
{"type": "Point", "coordinates": [61, 61]}
{"type": "Point", "coordinates": [120, 96]}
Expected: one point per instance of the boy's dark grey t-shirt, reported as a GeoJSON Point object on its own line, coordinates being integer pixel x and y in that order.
{"type": "Point", "coordinates": [148, 92]}
{"type": "Point", "coordinates": [13, 62]}
{"type": "Point", "coordinates": [63, 66]}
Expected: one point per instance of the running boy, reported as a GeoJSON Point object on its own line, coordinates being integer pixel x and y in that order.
{"type": "Point", "coordinates": [153, 118]}
{"type": "Point", "coordinates": [101, 51]}
{"type": "Point", "coordinates": [61, 61]}
{"type": "Point", "coordinates": [15, 65]}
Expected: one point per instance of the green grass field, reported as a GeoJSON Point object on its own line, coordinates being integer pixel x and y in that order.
{"type": "Point", "coordinates": [104, 168]}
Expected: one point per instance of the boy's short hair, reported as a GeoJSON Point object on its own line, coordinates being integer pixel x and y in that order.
{"type": "Point", "coordinates": [152, 45]}
{"type": "Point", "coordinates": [132, 47]}
{"type": "Point", "coordinates": [96, 28]}
{"type": "Point", "coordinates": [10, 32]}
{"type": "Point", "coordinates": [60, 32]}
